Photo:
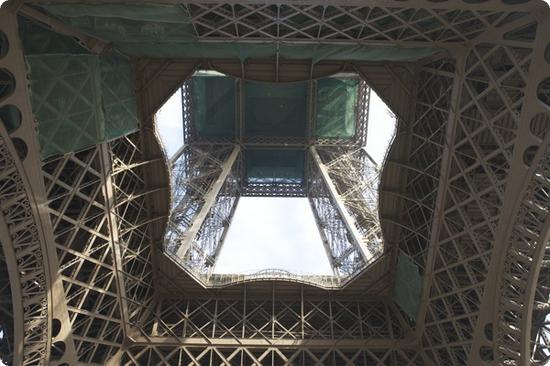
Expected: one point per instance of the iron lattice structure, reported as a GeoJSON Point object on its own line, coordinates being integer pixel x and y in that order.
{"type": "Point", "coordinates": [96, 268]}
{"type": "Point", "coordinates": [208, 177]}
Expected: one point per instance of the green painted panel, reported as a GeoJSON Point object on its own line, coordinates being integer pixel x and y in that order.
{"type": "Point", "coordinates": [336, 107]}
{"type": "Point", "coordinates": [80, 100]}
{"type": "Point", "coordinates": [163, 30]}
{"type": "Point", "coordinates": [275, 109]}
{"type": "Point", "coordinates": [408, 286]}
{"type": "Point", "coordinates": [118, 97]}
{"type": "Point", "coordinates": [274, 166]}
{"type": "Point", "coordinates": [142, 12]}
{"type": "Point", "coordinates": [123, 23]}
{"type": "Point", "coordinates": [262, 50]}
{"type": "Point", "coordinates": [214, 100]}
{"type": "Point", "coordinates": [37, 40]}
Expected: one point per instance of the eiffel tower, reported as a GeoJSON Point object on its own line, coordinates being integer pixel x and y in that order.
{"type": "Point", "coordinates": [440, 256]}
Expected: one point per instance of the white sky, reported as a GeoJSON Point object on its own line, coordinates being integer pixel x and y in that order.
{"type": "Point", "coordinates": [169, 122]}
{"type": "Point", "coordinates": [271, 232]}
{"type": "Point", "coordinates": [381, 129]}
{"type": "Point", "coordinates": [275, 233]}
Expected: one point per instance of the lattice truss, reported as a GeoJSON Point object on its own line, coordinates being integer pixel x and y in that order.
{"type": "Point", "coordinates": [207, 181]}
{"type": "Point", "coordinates": [100, 227]}
{"type": "Point", "coordinates": [267, 327]}
{"type": "Point", "coordinates": [78, 250]}
{"type": "Point", "coordinates": [383, 23]}
{"type": "Point", "coordinates": [198, 193]}
{"type": "Point", "coordinates": [190, 133]}
{"type": "Point", "coordinates": [206, 191]}
{"type": "Point", "coordinates": [524, 326]}
{"type": "Point", "coordinates": [24, 314]}
{"type": "Point", "coordinates": [484, 131]}
{"type": "Point", "coordinates": [345, 207]}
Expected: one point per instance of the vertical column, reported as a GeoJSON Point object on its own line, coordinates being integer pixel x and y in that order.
{"type": "Point", "coordinates": [108, 193]}
{"type": "Point", "coordinates": [446, 160]}
{"type": "Point", "coordinates": [42, 298]}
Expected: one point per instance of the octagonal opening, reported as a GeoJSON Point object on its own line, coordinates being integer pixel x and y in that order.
{"type": "Point", "coordinates": [260, 165]}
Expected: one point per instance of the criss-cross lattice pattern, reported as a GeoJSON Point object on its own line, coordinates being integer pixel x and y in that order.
{"type": "Point", "coordinates": [344, 255]}
{"type": "Point", "coordinates": [340, 23]}
{"type": "Point", "coordinates": [166, 355]}
{"type": "Point", "coordinates": [74, 185]}
{"type": "Point", "coordinates": [277, 319]}
{"type": "Point", "coordinates": [466, 198]}
{"type": "Point", "coordinates": [487, 118]}
{"type": "Point", "coordinates": [355, 175]}
{"type": "Point", "coordinates": [265, 324]}
{"type": "Point", "coordinates": [18, 224]}
{"type": "Point", "coordinates": [426, 139]}
{"type": "Point", "coordinates": [529, 242]}
{"type": "Point", "coordinates": [129, 207]}
{"type": "Point", "coordinates": [194, 173]}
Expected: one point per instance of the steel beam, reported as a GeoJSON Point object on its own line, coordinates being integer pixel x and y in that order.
{"type": "Point", "coordinates": [416, 4]}
{"type": "Point", "coordinates": [209, 200]}
{"type": "Point", "coordinates": [437, 217]}
{"type": "Point", "coordinates": [107, 187]}
{"type": "Point", "coordinates": [373, 343]}
{"type": "Point", "coordinates": [348, 220]}
{"type": "Point", "coordinates": [41, 285]}
{"type": "Point", "coordinates": [516, 186]}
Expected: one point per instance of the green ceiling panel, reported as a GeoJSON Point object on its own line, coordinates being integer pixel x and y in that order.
{"type": "Point", "coordinates": [80, 100]}
{"type": "Point", "coordinates": [163, 30]}
{"type": "Point", "coordinates": [262, 50]}
{"type": "Point", "coordinates": [275, 109]}
{"type": "Point", "coordinates": [142, 12]}
{"type": "Point", "coordinates": [214, 101]}
{"type": "Point", "coordinates": [37, 40]}
{"type": "Point", "coordinates": [117, 96]}
{"type": "Point", "coordinates": [128, 23]}
{"type": "Point", "coordinates": [274, 166]}
{"type": "Point", "coordinates": [336, 106]}
{"type": "Point", "coordinates": [408, 286]}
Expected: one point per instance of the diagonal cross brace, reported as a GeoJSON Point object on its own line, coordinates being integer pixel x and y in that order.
{"type": "Point", "coordinates": [209, 201]}
{"type": "Point", "coordinates": [348, 220]}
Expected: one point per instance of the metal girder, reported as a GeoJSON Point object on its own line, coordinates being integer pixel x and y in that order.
{"type": "Point", "coordinates": [158, 355]}
{"type": "Point", "coordinates": [443, 181]}
{"type": "Point", "coordinates": [394, 3]}
{"type": "Point", "coordinates": [158, 79]}
{"type": "Point", "coordinates": [209, 200]}
{"type": "Point", "coordinates": [372, 343]}
{"type": "Point", "coordinates": [108, 192]}
{"type": "Point", "coordinates": [25, 214]}
{"type": "Point", "coordinates": [348, 220]}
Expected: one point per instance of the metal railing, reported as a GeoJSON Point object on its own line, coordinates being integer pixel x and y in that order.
{"type": "Point", "coordinates": [216, 280]}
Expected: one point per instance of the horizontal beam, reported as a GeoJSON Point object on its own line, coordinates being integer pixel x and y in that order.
{"type": "Point", "coordinates": [93, 44]}
{"type": "Point", "coordinates": [377, 343]}
{"type": "Point", "coordinates": [415, 4]}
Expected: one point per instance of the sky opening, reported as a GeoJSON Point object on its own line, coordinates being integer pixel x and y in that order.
{"type": "Point", "coordinates": [274, 232]}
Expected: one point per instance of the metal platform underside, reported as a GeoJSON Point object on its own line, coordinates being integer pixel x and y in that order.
{"type": "Point", "coordinates": [107, 245]}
